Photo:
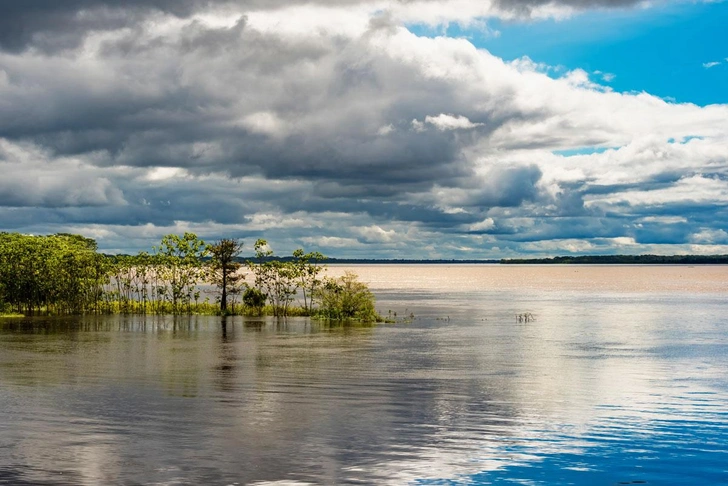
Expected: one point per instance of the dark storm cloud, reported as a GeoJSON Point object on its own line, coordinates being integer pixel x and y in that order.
{"type": "Point", "coordinates": [175, 112]}
{"type": "Point", "coordinates": [509, 187]}
{"type": "Point", "coordinates": [524, 7]}
{"type": "Point", "coordinates": [660, 180]}
{"type": "Point", "coordinates": [660, 233]}
{"type": "Point", "coordinates": [53, 25]}
{"type": "Point", "coordinates": [561, 228]}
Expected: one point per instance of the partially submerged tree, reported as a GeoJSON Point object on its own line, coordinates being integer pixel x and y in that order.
{"type": "Point", "coordinates": [275, 278]}
{"type": "Point", "coordinates": [181, 268]}
{"type": "Point", "coordinates": [225, 267]}
{"type": "Point", "coordinates": [58, 273]}
{"type": "Point", "coordinates": [254, 299]}
{"type": "Point", "coordinates": [346, 298]}
{"type": "Point", "coordinates": [307, 273]}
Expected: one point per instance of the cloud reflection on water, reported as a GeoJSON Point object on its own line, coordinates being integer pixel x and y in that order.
{"type": "Point", "coordinates": [601, 388]}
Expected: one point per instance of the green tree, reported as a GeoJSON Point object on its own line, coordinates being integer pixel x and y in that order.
{"type": "Point", "coordinates": [346, 298]}
{"type": "Point", "coordinates": [55, 274]}
{"type": "Point", "coordinates": [181, 268]}
{"type": "Point", "coordinates": [307, 272]}
{"type": "Point", "coordinates": [254, 299]}
{"type": "Point", "coordinates": [274, 278]}
{"type": "Point", "coordinates": [225, 267]}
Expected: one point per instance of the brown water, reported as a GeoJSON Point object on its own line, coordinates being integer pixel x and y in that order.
{"type": "Point", "coordinates": [530, 278]}
{"type": "Point", "coordinates": [620, 378]}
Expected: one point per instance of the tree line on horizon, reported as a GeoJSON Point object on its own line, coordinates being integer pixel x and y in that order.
{"type": "Point", "coordinates": [626, 260]}
{"type": "Point", "coordinates": [65, 274]}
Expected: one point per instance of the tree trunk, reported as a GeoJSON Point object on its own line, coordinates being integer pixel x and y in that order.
{"type": "Point", "coordinates": [223, 298]}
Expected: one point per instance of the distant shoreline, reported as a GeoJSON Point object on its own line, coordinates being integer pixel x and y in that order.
{"type": "Point", "coordinates": [560, 260]}
{"type": "Point", "coordinates": [626, 260]}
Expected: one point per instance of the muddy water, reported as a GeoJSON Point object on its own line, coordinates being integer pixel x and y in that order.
{"type": "Point", "coordinates": [621, 378]}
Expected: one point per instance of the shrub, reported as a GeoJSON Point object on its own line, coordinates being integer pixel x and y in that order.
{"type": "Point", "coordinates": [346, 298]}
{"type": "Point", "coordinates": [254, 298]}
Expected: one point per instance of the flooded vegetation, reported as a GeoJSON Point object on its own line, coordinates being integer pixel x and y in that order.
{"type": "Point", "coordinates": [65, 274]}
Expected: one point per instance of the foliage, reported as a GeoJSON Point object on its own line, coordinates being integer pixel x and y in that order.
{"type": "Point", "coordinates": [64, 274]}
{"type": "Point", "coordinates": [136, 284]}
{"type": "Point", "coordinates": [307, 272]}
{"type": "Point", "coordinates": [180, 267]}
{"type": "Point", "coordinates": [161, 307]}
{"type": "Point", "coordinates": [627, 260]}
{"type": "Point", "coordinates": [280, 280]}
{"type": "Point", "coordinates": [254, 299]}
{"type": "Point", "coordinates": [59, 273]}
{"type": "Point", "coordinates": [346, 298]}
{"type": "Point", "coordinates": [275, 278]}
{"type": "Point", "coordinates": [224, 269]}
{"type": "Point", "coordinates": [5, 307]}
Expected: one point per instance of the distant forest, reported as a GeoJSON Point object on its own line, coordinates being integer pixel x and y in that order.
{"type": "Point", "coordinates": [588, 259]}
{"type": "Point", "coordinates": [628, 259]}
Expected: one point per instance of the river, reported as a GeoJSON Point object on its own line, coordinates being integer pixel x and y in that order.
{"type": "Point", "coordinates": [620, 379]}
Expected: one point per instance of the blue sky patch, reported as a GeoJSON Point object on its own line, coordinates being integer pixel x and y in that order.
{"type": "Point", "coordinates": [677, 52]}
{"type": "Point", "coordinates": [583, 151]}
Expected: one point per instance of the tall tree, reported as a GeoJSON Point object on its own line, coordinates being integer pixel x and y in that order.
{"type": "Point", "coordinates": [275, 278]}
{"type": "Point", "coordinates": [225, 267]}
{"type": "Point", "coordinates": [181, 258]}
{"type": "Point", "coordinates": [307, 271]}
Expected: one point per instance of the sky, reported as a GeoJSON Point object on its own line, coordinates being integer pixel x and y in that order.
{"type": "Point", "coordinates": [455, 129]}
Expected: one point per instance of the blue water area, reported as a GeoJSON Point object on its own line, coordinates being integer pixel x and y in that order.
{"type": "Point", "coordinates": [668, 452]}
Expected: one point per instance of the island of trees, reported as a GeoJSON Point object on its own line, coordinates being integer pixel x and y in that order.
{"type": "Point", "coordinates": [66, 274]}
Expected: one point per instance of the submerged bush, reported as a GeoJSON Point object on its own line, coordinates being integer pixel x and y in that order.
{"type": "Point", "coordinates": [346, 298]}
{"type": "Point", "coordinates": [4, 306]}
{"type": "Point", "coordinates": [254, 298]}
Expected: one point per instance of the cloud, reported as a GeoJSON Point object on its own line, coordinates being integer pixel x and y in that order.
{"type": "Point", "coordinates": [331, 242]}
{"type": "Point", "coordinates": [710, 236]}
{"type": "Point", "coordinates": [445, 122]}
{"type": "Point", "coordinates": [31, 179]}
{"type": "Point", "coordinates": [708, 65]}
{"type": "Point", "coordinates": [51, 26]}
{"type": "Point", "coordinates": [240, 119]}
{"type": "Point", "coordinates": [376, 234]}
{"type": "Point", "coordinates": [484, 225]}
{"type": "Point", "coordinates": [606, 77]}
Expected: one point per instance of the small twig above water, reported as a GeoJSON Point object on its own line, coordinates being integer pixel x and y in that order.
{"type": "Point", "coordinates": [525, 317]}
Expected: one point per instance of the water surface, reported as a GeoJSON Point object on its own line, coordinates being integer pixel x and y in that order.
{"type": "Point", "coordinates": [621, 379]}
